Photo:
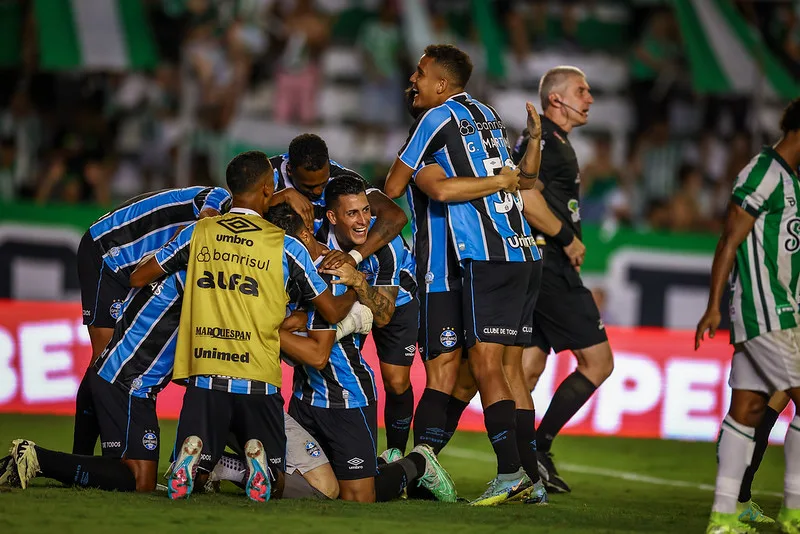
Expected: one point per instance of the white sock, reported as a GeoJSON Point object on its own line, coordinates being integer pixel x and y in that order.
{"type": "Point", "coordinates": [734, 452]}
{"type": "Point", "coordinates": [231, 468]}
{"type": "Point", "coordinates": [791, 450]}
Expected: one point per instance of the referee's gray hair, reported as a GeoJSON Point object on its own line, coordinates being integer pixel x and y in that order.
{"type": "Point", "coordinates": [554, 79]}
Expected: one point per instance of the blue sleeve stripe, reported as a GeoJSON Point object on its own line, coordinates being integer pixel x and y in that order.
{"type": "Point", "coordinates": [216, 198]}
{"type": "Point", "coordinates": [134, 251]}
{"type": "Point", "coordinates": [122, 217]}
{"type": "Point", "coordinates": [310, 280]}
{"type": "Point", "coordinates": [414, 150]}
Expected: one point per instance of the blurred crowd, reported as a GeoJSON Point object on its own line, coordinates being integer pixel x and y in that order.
{"type": "Point", "coordinates": [97, 137]}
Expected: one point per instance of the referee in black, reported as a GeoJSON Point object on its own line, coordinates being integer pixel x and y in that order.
{"type": "Point", "coordinates": [566, 317]}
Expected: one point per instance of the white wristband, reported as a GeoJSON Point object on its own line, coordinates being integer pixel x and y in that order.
{"type": "Point", "coordinates": [356, 256]}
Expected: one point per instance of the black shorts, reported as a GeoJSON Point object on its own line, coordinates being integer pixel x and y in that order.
{"type": "Point", "coordinates": [396, 342]}
{"type": "Point", "coordinates": [102, 290]}
{"type": "Point", "coordinates": [566, 316]}
{"type": "Point", "coordinates": [441, 328]}
{"type": "Point", "coordinates": [347, 435]}
{"type": "Point", "coordinates": [128, 424]}
{"type": "Point", "coordinates": [213, 415]}
{"type": "Point", "coordinates": [496, 304]}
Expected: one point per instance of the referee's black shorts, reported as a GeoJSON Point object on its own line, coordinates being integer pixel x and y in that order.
{"type": "Point", "coordinates": [566, 316]}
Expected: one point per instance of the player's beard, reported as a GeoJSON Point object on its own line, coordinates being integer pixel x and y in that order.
{"type": "Point", "coordinates": [411, 93]}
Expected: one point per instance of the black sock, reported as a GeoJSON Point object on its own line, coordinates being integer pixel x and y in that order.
{"type": "Point", "coordinates": [393, 478]}
{"type": "Point", "coordinates": [455, 407]}
{"type": "Point", "coordinates": [762, 440]}
{"type": "Point", "coordinates": [500, 426]}
{"type": "Point", "coordinates": [526, 442]}
{"type": "Point", "coordinates": [87, 429]}
{"type": "Point", "coordinates": [430, 419]}
{"type": "Point", "coordinates": [86, 471]}
{"type": "Point", "coordinates": [397, 414]}
{"type": "Point", "coordinates": [573, 393]}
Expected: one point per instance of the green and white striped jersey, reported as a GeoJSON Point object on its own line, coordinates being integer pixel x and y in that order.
{"type": "Point", "coordinates": [764, 280]}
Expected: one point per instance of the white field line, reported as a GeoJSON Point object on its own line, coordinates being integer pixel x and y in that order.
{"type": "Point", "coordinates": [599, 471]}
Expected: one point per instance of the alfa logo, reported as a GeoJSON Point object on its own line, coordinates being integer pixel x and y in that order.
{"type": "Point", "coordinates": [239, 225]}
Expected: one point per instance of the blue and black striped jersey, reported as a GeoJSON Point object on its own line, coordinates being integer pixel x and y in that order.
{"type": "Point", "coordinates": [144, 223]}
{"type": "Point", "coordinates": [467, 138]}
{"type": "Point", "coordinates": [436, 263]}
{"type": "Point", "coordinates": [141, 353]}
{"type": "Point", "coordinates": [347, 381]}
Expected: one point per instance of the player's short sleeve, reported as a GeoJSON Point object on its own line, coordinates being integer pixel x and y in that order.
{"type": "Point", "coordinates": [174, 256]}
{"type": "Point", "coordinates": [421, 138]}
{"type": "Point", "coordinates": [299, 269]}
{"type": "Point", "coordinates": [754, 185]}
{"type": "Point", "coordinates": [428, 160]}
{"type": "Point", "coordinates": [218, 199]}
{"type": "Point", "coordinates": [317, 322]}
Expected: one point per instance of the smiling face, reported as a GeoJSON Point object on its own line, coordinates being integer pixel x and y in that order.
{"type": "Point", "coordinates": [350, 218]}
{"type": "Point", "coordinates": [311, 183]}
{"type": "Point", "coordinates": [429, 84]}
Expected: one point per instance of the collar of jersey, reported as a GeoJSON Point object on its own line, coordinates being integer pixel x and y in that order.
{"type": "Point", "coordinates": [459, 94]}
{"type": "Point", "coordinates": [777, 157]}
{"type": "Point", "coordinates": [555, 126]}
{"type": "Point", "coordinates": [244, 211]}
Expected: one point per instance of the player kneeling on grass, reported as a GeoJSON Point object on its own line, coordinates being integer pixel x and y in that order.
{"type": "Point", "coordinates": [336, 403]}
{"type": "Point", "coordinates": [759, 244]}
{"type": "Point", "coordinates": [134, 367]}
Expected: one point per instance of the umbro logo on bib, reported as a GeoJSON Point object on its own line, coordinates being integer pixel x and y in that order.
{"type": "Point", "coordinates": [239, 225]}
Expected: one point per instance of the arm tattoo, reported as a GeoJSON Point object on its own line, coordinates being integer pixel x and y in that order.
{"type": "Point", "coordinates": [379, 300]}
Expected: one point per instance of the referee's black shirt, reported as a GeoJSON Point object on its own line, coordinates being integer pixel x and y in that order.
{"type": "Point", "coordinates": [560, 175]}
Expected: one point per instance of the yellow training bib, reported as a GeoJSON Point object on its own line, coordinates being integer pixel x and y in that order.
{"type": "Point", "coordinates": [234, 300]}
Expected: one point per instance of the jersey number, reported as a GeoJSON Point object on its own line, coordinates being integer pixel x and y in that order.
{"type": "Point", "coordinates": [493, 166]}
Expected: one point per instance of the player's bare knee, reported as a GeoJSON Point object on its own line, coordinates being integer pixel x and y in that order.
{"type": "Point", "coordinates": [747, 407]}
{"type": "Point", "coordinates": [396, 384]}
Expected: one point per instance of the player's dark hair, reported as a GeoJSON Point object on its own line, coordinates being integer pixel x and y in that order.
{"type": "Point", "coordinates": [284, 217]}
{"type": "Point", "coordinates": [790, 121]}
{"type": "Point", "coordinates": [245, 171]}
{"type": "Point", "coordinates": [344, 184]}
{"type": "Point", "coordinates": [308, 151]}
{"type": "Point", "coordinates": [456, 63]}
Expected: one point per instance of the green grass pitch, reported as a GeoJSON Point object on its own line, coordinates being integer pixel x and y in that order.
{"type": "Point", "coordinates": [619, 485]}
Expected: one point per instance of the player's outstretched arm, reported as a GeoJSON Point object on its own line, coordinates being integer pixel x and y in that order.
{"type": "Point", "coordinates": [334, 309]}
{"type": "Point", "coordinates": [314, 350]}
{"type": "Point", "coordinates": [432, 180]}
{"type": "Point", "coordinates": [532, 159]}
{"type": "Point", "coordinates": [738, 224]}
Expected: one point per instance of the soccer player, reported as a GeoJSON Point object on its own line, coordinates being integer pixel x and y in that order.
{"type": "Point", "coordinates": [566, 317]}
{"type": "Point", "coordinates": [758, 249]}
{"type": "Point", "coordinates": [491, 239]}
{"type": "Point", "coordinates": [392, 267]}
{"type": "Point", "coordinates": [228, 341]}
{"type": "Point", "coordinates": [300, 179]}
{"type": "Point", "coordinates": [108, 253]}
{"type": "Point", "coordinates": [337, 404]}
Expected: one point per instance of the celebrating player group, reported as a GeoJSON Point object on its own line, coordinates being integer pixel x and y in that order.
{"type": "Point", "coordinates": [298, 259]}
